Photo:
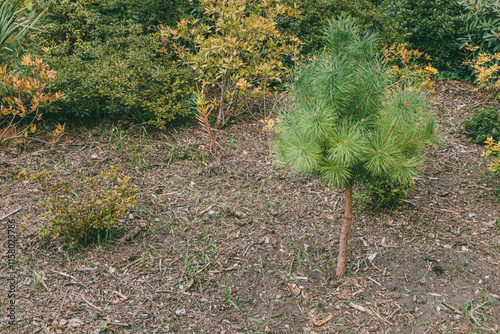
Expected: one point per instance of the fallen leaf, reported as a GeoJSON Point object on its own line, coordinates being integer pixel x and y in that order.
{"type": "Point", "coordinates": [75, 322]}
{"type": "Point", "coordinates": [143, 224]}
{"type": "Point", "coordinates": [294, 289]}
{"type": "Point", "coordinates": [324, 321]}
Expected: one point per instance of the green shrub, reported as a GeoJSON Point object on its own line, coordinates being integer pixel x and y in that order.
{"type": "Point", "coordinates": [80, 212]}
{"type": "Point", "coordinates": [384, 193]}
{"type": "Point", "coordinates": [147, 12]}
{"type": "Point", "coordinates": [482, 24]}
{"type": "Point", "coordinates": [434, 27]}
{"type": "Point", "coordinates": [484, 123]}
{"type": "Point", "coordinates": [316, 13]}
{"type": "Point", "coordinates": [109, 67]}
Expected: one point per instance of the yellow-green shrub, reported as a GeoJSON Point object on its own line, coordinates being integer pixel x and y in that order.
{"type": "Point", "coordinates": [408, 69]}
{"type": "Point", "coordinates": [486, 69]}
{"type": "Point", "coordinates": [493, 151]}
{"type": "Point", "coordinates": [80, 212]}
{"type": "Point", "coordinates": [235, 49]}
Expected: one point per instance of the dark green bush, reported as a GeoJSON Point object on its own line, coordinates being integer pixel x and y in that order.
{"type": "Point", "coordinates": [108, 66]}
{"type": "Point", "coordinates": [482, 22]}
{"type": "Point", "coordinates": [316, 13]}
{"type": "Point", "coordinates": [382, 194]}
{"type": "Point", "coordinates": [387, 194]}
{"type": "Point", "coordinates": [147, 12]}
{"type": "Point", "coordinates": [434, 27]}
{"type": "Point", "coordinates": [483, 123]}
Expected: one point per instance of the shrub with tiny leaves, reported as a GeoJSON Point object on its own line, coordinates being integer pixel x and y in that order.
{"type": "Point", "coordinates": [387, 194]}
{"type": "Point", "coordinates": [111, 66]}
{"type": "Point", "coordinates": [80, 212]}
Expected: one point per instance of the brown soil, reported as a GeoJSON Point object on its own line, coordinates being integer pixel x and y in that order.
{"type": "Point", "coordinates": [240, 245]}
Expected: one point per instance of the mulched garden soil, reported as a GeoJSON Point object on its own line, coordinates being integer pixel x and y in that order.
{"type": "Point", "coordinates": [240, 245]}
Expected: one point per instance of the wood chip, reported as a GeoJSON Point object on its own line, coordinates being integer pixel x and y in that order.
{"type": "Point", "coordinates": [294, 288]}
{"type": "Point", "coordinates": [454, 309]}
{"type": "Point", "coordinates": [223, 270]}
{"type": "Point", "coordinates": [63, 274]}
{"type": "Point", "coordinates": [359, 308]}
{"type": "Point", "coordinates": [92, 305]}
{"type": "Point", "coordinates": [324, 321]}
{"type": "Point", "coordinates": [10, 213]}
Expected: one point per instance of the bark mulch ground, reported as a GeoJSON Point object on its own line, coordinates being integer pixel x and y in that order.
{"type": "Point", "coordinates": [239, 245]}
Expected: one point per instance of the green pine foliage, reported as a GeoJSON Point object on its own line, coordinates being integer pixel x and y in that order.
{"type": "Point", "coordinates": [343, 123]}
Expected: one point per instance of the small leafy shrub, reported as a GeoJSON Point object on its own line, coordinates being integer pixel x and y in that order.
{"type": "Point", "coordinates": [80, 212]}
{"type": "Point", "coordinates": [484, 123]}
{"type": "Point", "coordinates": [235, 49]}
{"type": "Point", "coordinates": [22, 96]}
{"type": "Point", "coordinates": [493, 152]}
{"type": "Point", "coordinates": [416, 20]}
{"type": "Point", "coordinates": [387, 194]}
{"type": "Point", "coordinates": [408, 67]}
{"type": "Point", "coordinates": [485, 67]}
{"type": "Point", "coordinates": [381, 194]}
{"type": "Point", "coordinates": [314, 15]}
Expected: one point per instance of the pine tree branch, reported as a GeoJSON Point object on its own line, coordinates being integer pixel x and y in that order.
{"type": "Point", "coordinates": [377, 71]}
{"type": "Point", "coordinates": [305, 92]}
{"type": "Point", "coordinates": [416, 139]}
{"type": "Point", "coordinates": [392, 128]}
{"type": "Point", "coordinates": [359, 69]}
{"type": "Point", "coordinates": [332, 91]}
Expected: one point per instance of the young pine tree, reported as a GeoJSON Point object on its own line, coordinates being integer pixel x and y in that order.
{"type": "Point", "coordinates": [346, 125]}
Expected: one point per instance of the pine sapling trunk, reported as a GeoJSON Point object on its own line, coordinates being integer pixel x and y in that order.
{"type": "Point", "coordinates": [344, 235]}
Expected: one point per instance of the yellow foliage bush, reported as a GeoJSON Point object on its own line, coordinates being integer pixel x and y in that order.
{"type": "Point", "coordinates": [79, 212]}
{"type": "Point", "coordinates": [23, 96]}
{"type": "Point", "coordinates": [493, 151]}
{"type": "Point", "coordinates": [486, 68]}
{"type": "Point", "coordinates": [407, 69]}
{"type": "Point", "coordinates": [235, 49]}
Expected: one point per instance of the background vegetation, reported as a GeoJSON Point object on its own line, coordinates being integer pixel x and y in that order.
{"type": "Point", "coordinates": [128, 60]}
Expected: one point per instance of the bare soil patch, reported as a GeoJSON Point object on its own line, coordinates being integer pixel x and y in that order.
{"type": "Point", "coordinates": [242, 246]}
